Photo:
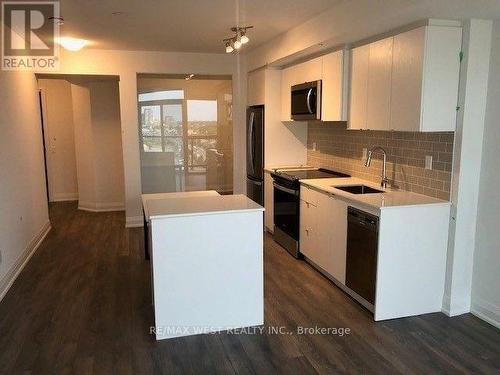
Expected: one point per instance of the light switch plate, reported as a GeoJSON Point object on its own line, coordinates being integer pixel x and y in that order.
{"type": "Point", "coordinates": [314, 146]}
{"type": "Point", "coordinates": [428, 162]}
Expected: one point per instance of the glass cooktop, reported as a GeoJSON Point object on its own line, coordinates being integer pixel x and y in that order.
{"type": "Point", "coordinates": [311, 174]}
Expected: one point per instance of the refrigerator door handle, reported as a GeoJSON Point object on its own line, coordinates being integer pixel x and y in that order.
{"type": "Point", "coordinates": [258, 183]}
{"type": "Point", "coordinates": [250, 140]}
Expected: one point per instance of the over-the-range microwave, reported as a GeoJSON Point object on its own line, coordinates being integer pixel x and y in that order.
{"type": "Point", "coordinates": [306, 101]}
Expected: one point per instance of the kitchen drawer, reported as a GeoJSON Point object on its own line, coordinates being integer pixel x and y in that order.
{"type": "Point", "coordinates": [309, 195]}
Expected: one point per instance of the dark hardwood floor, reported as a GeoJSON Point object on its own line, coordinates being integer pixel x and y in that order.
{"type": "Point", "coordinates": [82, 305]}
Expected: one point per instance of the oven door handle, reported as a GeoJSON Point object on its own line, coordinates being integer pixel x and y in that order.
{"type": "Point", "coordinates": [286, 190]}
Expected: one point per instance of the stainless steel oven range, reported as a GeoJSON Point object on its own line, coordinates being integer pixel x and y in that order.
{"type": "Point", "coordinates": [287, 204]}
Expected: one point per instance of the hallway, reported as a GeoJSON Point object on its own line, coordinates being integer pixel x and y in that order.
{"type": "Point", "coordinates": [82, 305]}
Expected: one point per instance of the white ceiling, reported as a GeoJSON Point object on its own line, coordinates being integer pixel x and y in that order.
{"type": "Point", "coordinates": [182, 25]}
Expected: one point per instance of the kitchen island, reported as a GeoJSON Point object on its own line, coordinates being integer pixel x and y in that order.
{"type": "Point", "coordinates": [206, 263]}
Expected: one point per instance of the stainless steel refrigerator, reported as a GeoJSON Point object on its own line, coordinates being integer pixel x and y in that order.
{"type": "Point", "coordinates": [255, 153]}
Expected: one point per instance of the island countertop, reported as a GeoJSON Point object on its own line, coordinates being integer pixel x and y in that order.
{"type": "Point", "coordinates": [200, 205]}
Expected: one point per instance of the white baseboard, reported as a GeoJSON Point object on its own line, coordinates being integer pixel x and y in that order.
{"type": "Point", "coordinates": [100, 206]}
{"type": "Point", "coordinates": [63, 197]}
{"type": "Point", "coordinates": [134, 221]}
{"type": "Point", "coordinates": [486, 311]}
{"type": "Point", "coordinates": [9, 278]}
{"type": "Point", "coordinates": [456, 309]}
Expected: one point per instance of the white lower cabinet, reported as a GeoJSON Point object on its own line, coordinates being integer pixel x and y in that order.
{"type": "Point", "coordinates": [308, 237]}
{"type": "Point", "coordinates": [323, 231]}
{"type": "Point", "coordinates": [268, 202]}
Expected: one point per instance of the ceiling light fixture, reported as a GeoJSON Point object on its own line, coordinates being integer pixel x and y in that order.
{"type": "Point", "coordinates": [236, 42]}
{"type": "Point", "coordinates": [72, 44]}
{"type": "Point", "coordinates": [244, 38]}
{"type": "Point", "coordinates": [59, 21]}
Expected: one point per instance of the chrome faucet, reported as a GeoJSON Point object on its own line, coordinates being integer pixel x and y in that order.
{"type": "Point", "coordinates": [384, 181]}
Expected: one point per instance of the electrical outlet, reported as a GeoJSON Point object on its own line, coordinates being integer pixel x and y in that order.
{"type": "Point", "coordinates": [428, 162]}
{"type": "Point", "coordinates": [365, 153]}
{"type": "Point", "coordinates": [314, 146]}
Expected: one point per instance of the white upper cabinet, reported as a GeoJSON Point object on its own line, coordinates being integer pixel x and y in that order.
{"type": "Point", "coordinates": [334, 87]}
{"type": "Point", "coordinates": [425, 79]}
{"type": "Point", "coordinates": [408, 82]}
{"type": "Point", "coordinates": [308, 71]}
{"type": "Point", "coordinates": [331, 70]}
{"type": "Point", "coordinates": [407, 65]}
{"type": "Point", "coordinates": [358, 94]}
{"type": "Point", "coordinates": [256, 87]}
{"type": "Point", "coordinates": [379, 85]}
{"type": "Point", "coordinates": [440, 78]}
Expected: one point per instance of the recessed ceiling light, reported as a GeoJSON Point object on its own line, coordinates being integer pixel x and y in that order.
{"type": "Point", "coordinates": [72, 44]}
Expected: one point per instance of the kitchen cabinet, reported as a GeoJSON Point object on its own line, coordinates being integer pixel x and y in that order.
{"type": "Point", "coordinates": [323, 231]}
{"type": "Point", "coordinates": [308, 238]}
{"type": "Point", "coordinates": [408, 82]}
{"type": "Point", "coordinates": [371, 86]}
{"type": "Point", "coordinates": [256, 87]}
{"type": "Point", "coordinates": [268, 202]}
{"type": "Point", "coordinates": [332, 234]}
{"type": "Point", "coordinates": [308, 71]}
{"type": "Point", "coordinates": [334, 86]}
{"type": "Point", "coordinates": [379, 85]}
{"type": "Point", "coordinates": [425, 76]}
{"type": "Point", "coordinates": [358, 95]}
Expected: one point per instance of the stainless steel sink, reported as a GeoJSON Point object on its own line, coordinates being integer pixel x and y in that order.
{"type": "Point", "coordinates": [358, 189]}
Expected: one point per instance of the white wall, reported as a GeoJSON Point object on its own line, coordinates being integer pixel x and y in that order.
{"type": "Point", "coordinates": [99, 155]}
{"type": "Point", "coordinates": [486, 275]}
{"type": "Point", "coordinates": [467, 165]}
{"type": "Point", "coordinates": [107, 145]}
{"type": "Point", "coordinates": [23, 202]}
{"type": "Point", "coordinates": [59, 139]}
{"type": "Point", "coordinates": [82, 120]}
{"type": "Point", "coordinates": [285, 142]}
{"type": "Point", "coordinates": [126, 64]}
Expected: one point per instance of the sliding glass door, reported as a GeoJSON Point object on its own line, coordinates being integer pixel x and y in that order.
{"type": "Point", "coordinates": [186, 137]}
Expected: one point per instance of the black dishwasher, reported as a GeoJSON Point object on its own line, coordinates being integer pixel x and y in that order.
{"type": "Point", "coordinates": [362, 250]}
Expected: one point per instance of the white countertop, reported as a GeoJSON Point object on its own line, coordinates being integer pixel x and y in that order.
{"type": "Point", "coordinates": [390, 197]}
{"type": "Point", "coordinates": [146, 198]}
{"type": "Point", "coordinates": [200, 205]}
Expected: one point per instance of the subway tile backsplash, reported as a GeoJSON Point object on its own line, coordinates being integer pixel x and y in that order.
{"type": "Point", "coordinates": [341, 149]}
